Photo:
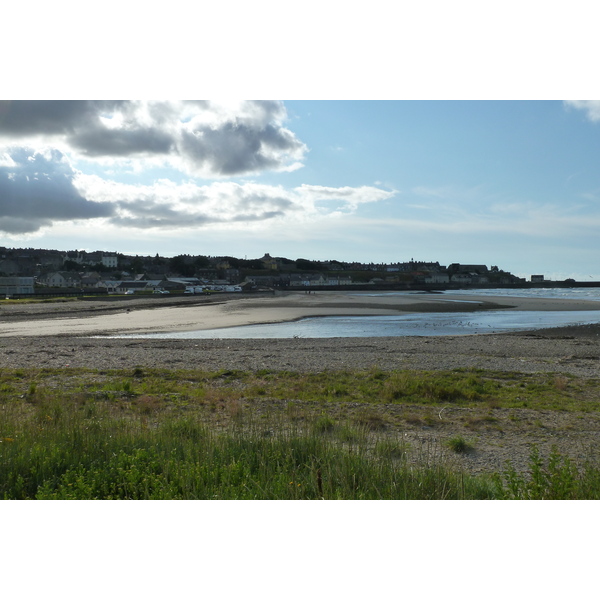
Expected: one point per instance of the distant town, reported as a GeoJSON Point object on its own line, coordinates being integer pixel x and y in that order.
{"type": "Point", "coordinates": [37, 271]}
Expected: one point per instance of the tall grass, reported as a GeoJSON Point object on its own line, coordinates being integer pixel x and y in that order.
{"type": "Point", "coordinates": [83, 434]}
{"type": "Point", "coordinates": [72, 452]}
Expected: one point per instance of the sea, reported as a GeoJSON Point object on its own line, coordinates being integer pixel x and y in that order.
{"type": "Point", "coordinates": [415, 324]}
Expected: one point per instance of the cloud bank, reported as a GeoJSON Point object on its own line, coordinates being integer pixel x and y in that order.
{"type": "Point", "coordinates": [168, 206]}
{"type": "Point", "coordinates": [40, 187]}
{"type": "Point", "coordinates": [200, 138]}
{"type": "Point", "coordinates": [41, 141]}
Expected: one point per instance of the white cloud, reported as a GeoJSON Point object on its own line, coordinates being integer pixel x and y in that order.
{"type": "Point", "coordinates": [348, 196]}
{"type": "Point", "coordinates": [166, 205]}
{"type": "Point", "coordinates": [590, 107]}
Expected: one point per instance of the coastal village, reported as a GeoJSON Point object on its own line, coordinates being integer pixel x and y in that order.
{"type": "Point", "coordinates": [38, 271]}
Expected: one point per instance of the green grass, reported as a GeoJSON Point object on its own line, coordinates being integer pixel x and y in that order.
{"type": "Point", "coordinates": [186, 434]}
{"type": "Point", "coordinates": [460, 388]}
{"type": "Point", "coordinates": [79, 452]}
{"type": "Point", "coordinates": [459, 445]}
{"type": "Point", "coordinates": [3, 300]}
{"type": "Point", "coordinates": [70, 453]}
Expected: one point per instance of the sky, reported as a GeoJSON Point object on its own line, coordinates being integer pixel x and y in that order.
{"type": "Point", "coordinates": [509, 183]}
{"type": "Point", "coordinates": [383, 135]}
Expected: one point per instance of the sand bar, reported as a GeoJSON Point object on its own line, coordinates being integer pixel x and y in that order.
{"type": "Point", "coordinates": [151, 316]}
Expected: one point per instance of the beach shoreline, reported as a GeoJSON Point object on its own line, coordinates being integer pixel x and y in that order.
{"type": "Point", "coordinates": [40, 335]}
{"type": "Point", "coordinates": [149, 315]}
{"type": "Point", "coordinates": [42, 338]}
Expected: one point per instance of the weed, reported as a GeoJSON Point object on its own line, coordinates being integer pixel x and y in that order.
{"type": "Point", "coordinates": [391, 448]}
{"type": "Point", "coordinates": [324, 424]}
{"type": "Point", "coordinates": [477, 422]}
{"type": "Point", "coordinates": [234, 408]}
{"type": "Point", "coordinates": [554, 479]}
{"type": "Point", "coordinates": [459, 445]}
{"type": "Point", "coordinates": [371, 420]}
{"type": "Point", "coordinates": [294, 413]}
{"type": "Point", "coordinates": [413, 419]}
{"type": "Point", "coordinates": [349, 434]}
{"type": "Point", "coordinates": [429, 420]}
{"type": "Point", "coordinates": [147, 405]}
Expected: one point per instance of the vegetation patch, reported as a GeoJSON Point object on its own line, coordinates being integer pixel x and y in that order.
{"type": "Point", "coordinates": [556, 478]}
{"type": "Point", "coordinates": [459, 445]}
{"type": "Point", "coordinates": [159, 433]}
{"type": "Point", "coordinates": [455, 388]}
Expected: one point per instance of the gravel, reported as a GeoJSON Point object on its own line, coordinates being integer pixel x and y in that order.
{"type": "Point", "coordinates": [527, 353]}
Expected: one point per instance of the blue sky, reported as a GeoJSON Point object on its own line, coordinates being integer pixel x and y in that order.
{"type": "Point", "coordinates": [508, 183]}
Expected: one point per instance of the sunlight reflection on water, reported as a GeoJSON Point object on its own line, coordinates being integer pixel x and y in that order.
{"type": "Point", "coordinates": [417, 324]}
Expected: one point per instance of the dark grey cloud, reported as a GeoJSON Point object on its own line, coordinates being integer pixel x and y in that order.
{"type": "Point", "coordinates": [161, 221]}
{"type": "Point", "coordinates": [253, 201]}
{"type": "Point", "coordinates": [51, 117]}
{"type": "Point", "coordinates": [80, 123]}
{"type": "Point", "coordinates": [237, 148]}
{"type": "Point", "coordinates": [261, 216]}
{"type": "Point", "coordinates": [37, 189]}
{"type": "Point", "coordinates": [143, 217]}
{"type": "Point", "coordinates": [122, 142]}
{"type": "Point", "coordinates": [146, 213]}
{"type": "Point", "coordinates": [201, 137]}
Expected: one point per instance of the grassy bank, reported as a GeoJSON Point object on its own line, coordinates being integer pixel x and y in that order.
{"type": "Point", "coordinates": [161, 434]}
{"type": "Point", "coordinates": [465, 388]}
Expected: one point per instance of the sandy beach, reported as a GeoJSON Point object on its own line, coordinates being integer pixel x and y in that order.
{"type": "Point", "coordinates": [104, 317]}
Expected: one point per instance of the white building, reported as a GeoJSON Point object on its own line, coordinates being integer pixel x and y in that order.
{"type": "Point", "coordinates": [110, 260]}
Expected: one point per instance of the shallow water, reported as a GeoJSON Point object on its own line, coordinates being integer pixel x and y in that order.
{"type": "Point", "coordinates": [424, 324]}
{"type": "Point", "coordinates": [415, 324]}
{"type": "Point", "coordinates": [591, 293]}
